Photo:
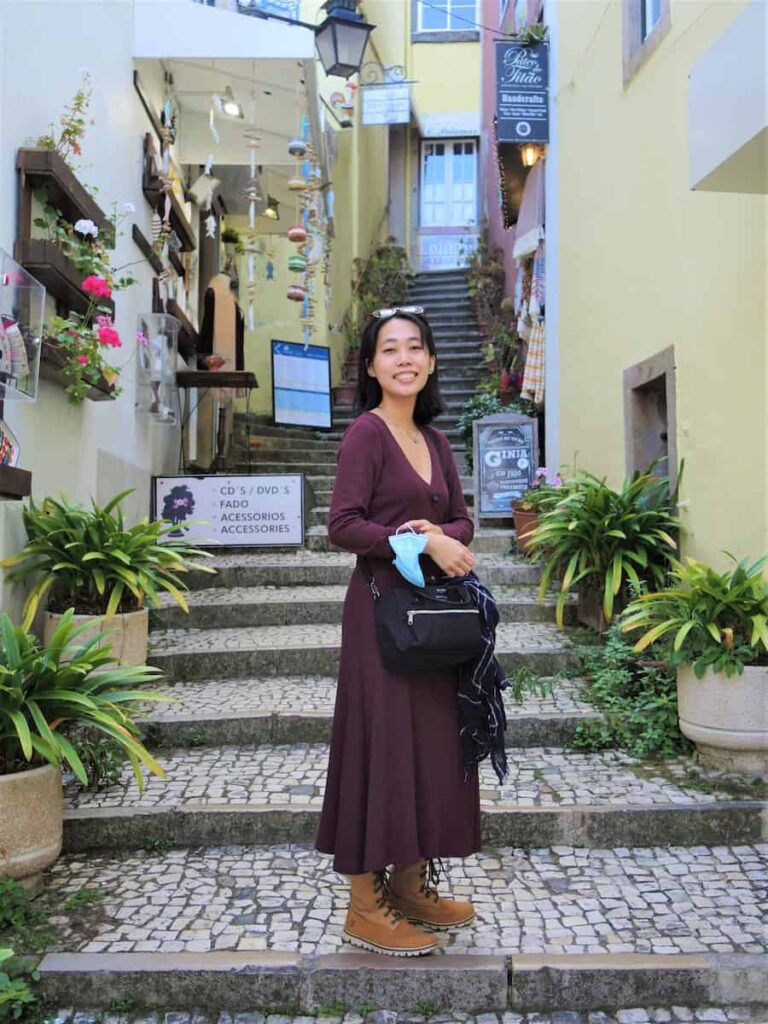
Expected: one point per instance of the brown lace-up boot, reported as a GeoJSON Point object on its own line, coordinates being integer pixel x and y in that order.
{"type": "Point", "coordinates": [413, 891]}
{"type": "Point", "coordinates": [373, 924]}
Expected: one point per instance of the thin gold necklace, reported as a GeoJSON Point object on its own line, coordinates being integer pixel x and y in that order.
{"type": "Point", "coordinates": [394, 426]}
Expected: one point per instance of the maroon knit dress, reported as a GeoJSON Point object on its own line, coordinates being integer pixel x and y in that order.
{"type": "Point", "coordinates": [396, 791]}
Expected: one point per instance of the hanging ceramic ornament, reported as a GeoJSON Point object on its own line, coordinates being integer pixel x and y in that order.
{"type": "Point", "coordinates": [298, 264]}
{"type": "Point", "coordinates": [210, 226]}
{"type": "Point", "coordinates": [297, 183]}
{"type": "Point", "coordinates": [297, 147]}
{"type": "Point", "coordinates": [156, 227]}
{"type": "Point", "coordinates": [297, 234]}
{"type": "Point", "coordinates": [270, 266]}
{"type": "Point", "coordinates": [296, 293]}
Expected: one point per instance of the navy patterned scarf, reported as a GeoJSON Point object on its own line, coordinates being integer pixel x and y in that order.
{"type": "Point", "coordinates": [482, 721]}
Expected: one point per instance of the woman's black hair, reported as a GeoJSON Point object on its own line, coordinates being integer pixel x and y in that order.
{"type": "Point", "coordinates": [428, 401]}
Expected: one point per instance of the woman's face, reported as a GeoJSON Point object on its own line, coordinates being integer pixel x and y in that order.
{"type": "Point", "coordinates": [402, 363]}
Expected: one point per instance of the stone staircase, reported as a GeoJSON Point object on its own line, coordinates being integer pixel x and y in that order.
{"type": "Point", "coordinates": [605, 884]}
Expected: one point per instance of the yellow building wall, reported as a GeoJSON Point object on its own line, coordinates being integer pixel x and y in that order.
{"type": "Point", "coordinates": [447, 77]}
{"type": "Point", "coordinates": [645, 263]}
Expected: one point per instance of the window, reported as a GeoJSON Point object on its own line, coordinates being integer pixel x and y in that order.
{"type": "Point", "coordinates": [645, 23]}
{"type": "Point", "coordinates": [448, 183]}
{"type": "Point", "coordinates": [447, 16]}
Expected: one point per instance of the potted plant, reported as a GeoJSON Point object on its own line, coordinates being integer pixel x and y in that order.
{"type": "Point", "coordinates": [545, 491]}
{"type": "Point", "coordinates": [718, 627]}
{"type": "Point", "coordinates": [46, 690]}
{"type": "Point", "coordinates": [600, 542]}
{"type": "Point", "coordinates": [90, 561]}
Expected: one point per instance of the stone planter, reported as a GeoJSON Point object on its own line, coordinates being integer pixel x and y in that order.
{"type": "Point", "coordinates": [31, 821]}
{"type": "Point", "coordinates": [128, 634]}
{"type": "Point", "coordinates": [726, 718]}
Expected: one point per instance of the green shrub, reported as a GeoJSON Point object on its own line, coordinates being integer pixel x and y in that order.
{"type": "Point", "coordinates": [16, 995]}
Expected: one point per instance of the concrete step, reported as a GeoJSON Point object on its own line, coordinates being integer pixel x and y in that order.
{"type": "Point", "coordinates": [291, 710]}
{"type": "Point", "coordinates": [279, 445]}
{"type": "Point", "coordinates": [487, 542]}
{"type": "Point", "coordinates": [199, 654]}
{"type": "Point", "coordinates": [237, 607]}
{"type": "Point", "coordinates": [322, 489]}
{"type": "Point", "coordinates": [291, 457]}
{"type": "Point", "coordinates": [263, 794]}
{"type": "Point", "coordinates": [303, 568]}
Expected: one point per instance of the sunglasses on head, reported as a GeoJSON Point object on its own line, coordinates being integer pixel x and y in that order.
{"type": "Point", "coordinates": [383, 314]}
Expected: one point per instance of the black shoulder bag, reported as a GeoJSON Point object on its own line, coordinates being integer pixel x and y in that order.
{"type": "Point", "coordinates": [425, 629]}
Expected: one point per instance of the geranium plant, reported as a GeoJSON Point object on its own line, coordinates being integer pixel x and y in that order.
{"type": "Point", "coordinates": [545, 491]}
{"type": "Point", "coordinates": [72, 122]}
{"type": "Point", "coordinates": [83, 340]}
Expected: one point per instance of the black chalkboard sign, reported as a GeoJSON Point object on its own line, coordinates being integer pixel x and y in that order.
{"type": "Point", "coordinates": [522, 81]}
{"type": "Point", "coordinates": [506, 455]}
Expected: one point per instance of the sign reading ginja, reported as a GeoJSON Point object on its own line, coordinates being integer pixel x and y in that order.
{"type": "Point", "coordinates": [522, 80]}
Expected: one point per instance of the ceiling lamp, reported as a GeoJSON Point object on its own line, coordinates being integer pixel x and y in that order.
{"type": "Point", "coordinates": [272, 211]}
{"type": "Point", "coordinates": [342, 38]}
{"type": "Point", "coordinates": [529, 154]}
{"type": "Point", "coordinates": [227, 103]}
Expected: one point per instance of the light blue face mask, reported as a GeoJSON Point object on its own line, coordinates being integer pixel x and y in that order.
{"type": "Point", "coordinates": [407, 548]}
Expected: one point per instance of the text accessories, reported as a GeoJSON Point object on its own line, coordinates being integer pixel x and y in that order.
{"type": "Point", "coordinates": [384, 314]}
{"type": "Point", "coordinates": [407, 548]}
{"type": "Point", "coordinates": [426, 629]}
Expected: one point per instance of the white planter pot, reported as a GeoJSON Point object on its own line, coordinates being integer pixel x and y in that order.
{"type": "Point", "coordinates": [31, 821]}
{"type": "Point", "coordinates": [128, 634]}
{"type": "Point", "coordinates": [726, 718]}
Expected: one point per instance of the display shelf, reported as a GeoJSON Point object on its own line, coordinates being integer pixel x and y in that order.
{"type": "Point", "coordinates": [216, 379]}
{"type": "Point", "coordinates": [145, 248]}
{"type": "Point", "coordinates": [15, 482]}
{"type": "Point", "coordinates": [189, 338]}
{"type": "Point", "coordinates": [153, 192]}
{"type": "Point", "coordinates": [44, 168]}
{"type": "Point", "coordinates": [50, 266]}
{"type": "Point", "coordinates": [52, 369]}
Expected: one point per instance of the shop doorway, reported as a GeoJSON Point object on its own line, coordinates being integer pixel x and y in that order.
{"type": "Point", "coordinates": [447, 202]}
{"type": "Point", "coordinates": [650, 427]}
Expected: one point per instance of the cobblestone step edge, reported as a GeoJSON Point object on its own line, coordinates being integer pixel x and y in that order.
{"type": "Point", "coordinates": [597, 826]}
{"type": "Point", "coordinates": [473, 983]}
{"type": "Point", "coordinates": [275, 728]}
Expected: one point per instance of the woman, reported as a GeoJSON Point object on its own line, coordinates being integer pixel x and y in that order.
{"type": "Point", "coordinates": [397, 791]}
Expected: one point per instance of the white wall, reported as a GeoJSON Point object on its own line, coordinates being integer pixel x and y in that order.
{"type": "Point", "coordinates": [43, 45]}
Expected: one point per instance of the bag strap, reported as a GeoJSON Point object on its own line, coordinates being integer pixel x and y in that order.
{"type": "Point", "coordinates": [369, 578]}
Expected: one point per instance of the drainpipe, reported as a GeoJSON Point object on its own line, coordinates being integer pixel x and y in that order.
{"type": "Point", "coordinates": [553, 454]}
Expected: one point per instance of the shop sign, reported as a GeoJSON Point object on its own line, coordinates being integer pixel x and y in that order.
{"type": "Point", "coordinates": [446, 251]}
{"type": "Point", "coordinates": [256, 510]}
{"type": "Point", "coordinates": [506, 456]}
{"type": "Point", "coordinates": [522, 80]}
{"type": "Point", "coordinates": [388, 103]}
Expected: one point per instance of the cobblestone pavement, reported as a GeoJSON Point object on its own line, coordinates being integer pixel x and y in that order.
{"type": "Point", "coordinates": [558, 900]}
{"type": "Point", "coordinates": [636, 1015]}
{"type": "Point", "coordinates": [306, 694]}
{"type": "Point", "coordinates": [279, 775]}
{"type": "Point", "coordinates": [522, 637]}
{"type": "Point", "coordinates": [303, 556]}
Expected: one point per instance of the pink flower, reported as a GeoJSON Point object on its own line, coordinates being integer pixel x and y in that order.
{"type": "Point", "coordinates": [96, 286]}
{"type": "Point", "coordinates": [142, 339]}
{"type": "Point", "coordinates": [83, 360]}
{"type": "Point", "coordinates": [104, 321]}
{"type": "Point", "coordinates": [109, 336]}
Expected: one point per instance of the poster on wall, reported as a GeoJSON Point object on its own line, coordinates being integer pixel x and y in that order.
{"type": "Point", "coordinates": [386, 103]}
{"type": "Point", "coordinates": [506, 457]}
{"type": "Point", "coordinates": [522, 81]}
{"type": "Point", "coordinates": [244, 510]}
{"type": "Point", "coordinates": [301, 385]}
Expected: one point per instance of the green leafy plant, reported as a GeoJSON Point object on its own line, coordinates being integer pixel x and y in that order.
{"type": "Point", "coordinates": [637, 701]}
{"type": "Point", "coordinates": [545, 492]}
{"type": "Point", "coordinates": [89, 560]}
{"type": "Point", "coordinates": [17, 975]}
{"type": "Point", "coordinates": [44, 691]}
{"type": "Point", "coordinates": [482, 403]}
{"type": "Point", "coordinates": [84, 244]}
{"type": "Point", "coordinates": [714, 620]}
{"type": "Point", "coordinates": [122, 1004]}
{"type": "Point", "coordinates": [73, 123]}
{"type": "Point", "coordinates": [607, 540]}
{"type": "Point", "coordinates": [536, 33]}
{"type": "Point", "coordinates": [102, 758]}
{"type": "Point", "coordinates": [427, 1007]}
{"type": "Point", "coordinates": [82, 898]}
{"type": "Point", "coordinates": [16, 911]}
{"type": "Point", "coordinates": [524, 682]}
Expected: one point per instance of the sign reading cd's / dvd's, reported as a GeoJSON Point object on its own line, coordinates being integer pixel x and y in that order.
{"type": "Point", "coordinates": [301, 384]}
{"type": "Point", "coordinates": [252, 511]}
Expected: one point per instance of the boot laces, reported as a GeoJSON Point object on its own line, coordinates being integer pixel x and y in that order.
{"type": "Point", "coordinates": [430, 878]}
{"type": "Point", "coordinates": [382, 889]}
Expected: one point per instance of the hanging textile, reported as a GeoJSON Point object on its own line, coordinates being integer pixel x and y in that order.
{"type": "Point", "coordinates": [530, 221]}
{"type": "Point", "coordinates": [536, 304]}
{"type": "Point", "coordinates": [533, 378]}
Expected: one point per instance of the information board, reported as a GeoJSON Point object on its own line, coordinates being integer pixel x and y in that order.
{"type": "Point", "coordinates": [253, 510]}
{"type": "Point", "coordinates": [387, 103]}
{"type": "Point", "coordinates": [301, 384]}
{"type": "Point", "coordinates": [522, 83]}
{"type": "Point", "coordinates": [506, 457]}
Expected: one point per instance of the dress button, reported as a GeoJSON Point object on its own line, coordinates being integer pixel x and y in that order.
{"type": "Point", "coordinates": [435, 498]}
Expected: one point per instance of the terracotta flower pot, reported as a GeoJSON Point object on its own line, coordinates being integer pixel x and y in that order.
{"type": "Point", "coordinates": [526, 520]}
{"type": "Point", "coordinates": [344, 394]}
{"type": "Point", "coordinates": [128, 634]}
{"type": "Point", "coordinates": [726, 718]}
{"type": "Point", "coordinates": [31, 821]}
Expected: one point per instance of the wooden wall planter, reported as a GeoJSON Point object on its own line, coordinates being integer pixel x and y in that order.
{"type": "Point", "coordinates": [50, 266]}
{"type": "Point", "coordinates": [51, 369]}
{"type": "Point", "coordinates": [15, 482]}
{"type": "Point", "coordinates": [189, 339]}
{"type": "Point", "coordinates": [44, 168]}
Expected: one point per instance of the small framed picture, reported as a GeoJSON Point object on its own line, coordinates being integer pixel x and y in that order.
{"type": "Point", "coordinates": [9, 446]}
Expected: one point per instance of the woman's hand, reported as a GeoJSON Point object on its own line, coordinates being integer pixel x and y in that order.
{"type": "Point", "coordinates": [423, 526]}
{"type": "Point", "coordinates": [451, 555]}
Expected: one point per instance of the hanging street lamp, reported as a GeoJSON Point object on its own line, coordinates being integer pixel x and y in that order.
{"type": "Point", "coordinates": [342, 38]}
